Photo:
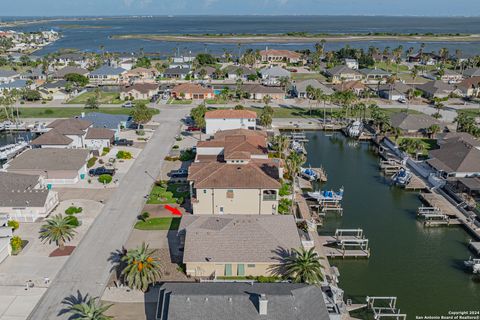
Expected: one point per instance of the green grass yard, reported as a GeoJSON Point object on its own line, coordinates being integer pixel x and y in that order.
{"type": "Point", "coordinates": [173, 193]}
{"type": "Point", "coordinates": [307, 76]}
{"type": "Point", "coordinates": [175, 101]}
{"type": "Point", "coordinates": [158, 224]}
{"type": "Point", "coordinates": [470, 112]}
{"type": "Point", "coordinates": [105, 98]}
{"type": "Point", "coordinates": [429, 144]}
{"type": "Point", "coordinates": [68, 112]}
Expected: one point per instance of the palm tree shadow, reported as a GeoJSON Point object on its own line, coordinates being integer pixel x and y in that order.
{"type": "Point", "coordinates": [281, 255]}
{"type": "Point", "coordinates": [117, 264]}
{"type": "Point", "coordinates": [70, 301]}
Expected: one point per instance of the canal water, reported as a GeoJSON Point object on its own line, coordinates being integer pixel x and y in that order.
{"type": "Point", "coordinates": [423, 267]}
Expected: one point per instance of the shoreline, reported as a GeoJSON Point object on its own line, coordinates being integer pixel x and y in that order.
{"type": "Point", "coordinates": [220, 38]}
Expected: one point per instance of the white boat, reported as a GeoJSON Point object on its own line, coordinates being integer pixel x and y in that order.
{"type": "Point", "coordinates": [297, 147]}
{"type": "Point", "coordinates": [326, 195]}
{"type": "Point", "coordinates": [354, 129]}
{"type": "Point", "coordinates": [402, 177]}
{"type": "Point", "coordinates": [473, 264]}
{"type": "Point", "coordinates": [309, 174]}
{"type": "Point", "coordinates": [10, 150]}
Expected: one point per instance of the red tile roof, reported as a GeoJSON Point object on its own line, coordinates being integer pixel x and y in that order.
{"type": "Point", "coordinates": [230, 114]}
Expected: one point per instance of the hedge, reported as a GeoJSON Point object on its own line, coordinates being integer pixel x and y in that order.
{"type": "Point", "coordinates": [105, 179]}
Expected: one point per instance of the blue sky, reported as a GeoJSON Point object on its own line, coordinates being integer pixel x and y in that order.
{"type": "Point", "coordinates": [278, 7]}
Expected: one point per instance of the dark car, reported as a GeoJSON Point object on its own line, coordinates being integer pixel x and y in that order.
{"type": "Point", "coordinates": [181, 173]}
{"type": "Point", "coordinates": [123, 142]}
{"type": "Point", "coordinates": [101, 170]}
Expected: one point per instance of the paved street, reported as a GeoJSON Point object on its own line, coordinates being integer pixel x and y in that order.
{"type": "Point", "coordinates": [87, 270]}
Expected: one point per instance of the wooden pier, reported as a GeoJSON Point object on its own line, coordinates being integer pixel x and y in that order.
{"type": "Point", "coordinates": [331, 206]}
{"type": "Point", "coordinates": [475, 247]}
{"type": "Point", "coordinates": [437, 201]}
{"type": "Point", "coordinates": [390, 166]}
{"type": "Point", "coordinates": [416, 184]}
{"type": "Point", "coordinates": [322, 175]}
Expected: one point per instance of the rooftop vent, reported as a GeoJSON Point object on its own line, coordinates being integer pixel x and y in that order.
{"type": "Point", "coordinates": [262, 304]}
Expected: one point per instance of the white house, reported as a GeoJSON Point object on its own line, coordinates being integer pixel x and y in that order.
{"type": "Point", "coordinates": [227, 119]}
{"type": "Point", "coordinates": [351, 63]}
{"type": "Point", "coordinates": [7, 76]}
{"type": "Point", "coordinates": [25, 198]}
{"type": "Point", "coordinates": [99, 138]}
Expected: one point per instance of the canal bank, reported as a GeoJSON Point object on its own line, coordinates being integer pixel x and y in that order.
{"type": "Point", "coordinates": [423, 267]}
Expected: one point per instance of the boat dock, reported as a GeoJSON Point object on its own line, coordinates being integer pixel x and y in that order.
{"type": "Point", "coordinates": [439, 203]}
{"type": "Point", "coordinates": [416, 184]}
{"type": "Point", "coordinates": [321, 174]}
{"type": "Point", "coordinates": [475, 247]}
{"type": "Point", "coordinates": [390, 166]}
{"type": "Point", "coordinates": [346, 243]}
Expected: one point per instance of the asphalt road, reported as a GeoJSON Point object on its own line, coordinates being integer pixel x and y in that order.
{"type": "Point", "coordinates": [88, 269]}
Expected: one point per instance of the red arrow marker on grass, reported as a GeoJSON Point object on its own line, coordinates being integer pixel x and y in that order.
{"type": "Point", "coordinates": [173, 210]}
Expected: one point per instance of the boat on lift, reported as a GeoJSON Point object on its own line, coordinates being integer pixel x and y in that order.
{"type": "Point", "coordinates": [473, 264]}
{"type": "Point", "coordinates": [354, 129]}
{"type": "Point", "coordinates": [329, 195]}
{"type": "Point", "coordinates": [402, 177]}
{"type": "Point", "coordinates": [309, 174]}
{"type": "Point", "coordinates": [11, 150]}
{"type": "Point", "coordinates": [297, 147]}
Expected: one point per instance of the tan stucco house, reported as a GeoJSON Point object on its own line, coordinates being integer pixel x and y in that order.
{"type": "Point", "coordinates": [236, 245]}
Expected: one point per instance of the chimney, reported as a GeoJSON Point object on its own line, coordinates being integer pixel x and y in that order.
{"type": "Point", "coordinates": [262, 304]}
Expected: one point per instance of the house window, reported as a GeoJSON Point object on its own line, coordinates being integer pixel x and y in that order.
{"type": "Point", "coordinates": [204, 191]}
{"type": "Point", "coordinates": [228, 270]}
{"type": "Point", "coordinates": [240, 270]}
{"type": "Point", "coordinates": [230, 194]}
{"type": "Point", "coordinates": [269, 195]}
{"type": "Point", "coordinates": [250, 266]}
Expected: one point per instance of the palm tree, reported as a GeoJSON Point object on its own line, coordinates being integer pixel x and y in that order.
{"type": "Point", "coordinates": [280, 143]}
{"type": "Point", "coordinates": [141, 269]}
{"type": "Point", "coordinates": [267, 99]}
{"type": "Point", "coordinates": [92, 309]}
{"type": "Point", "coordinates": [433, 130]}
{"type": "Point", "coordinates": [57, 229]}
{"type": "Point", "coordinates": [304, 266]}
{"type": "Point", "coordinates": [293, 163]}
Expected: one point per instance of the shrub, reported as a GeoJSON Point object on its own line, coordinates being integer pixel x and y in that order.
{"type": "Point", "coordinates": [16, 243]}
{"type": "Point", "coordinates": [73, 221]}
{"type": "Point", "coordinates": [285, 189]}
{"type": "Point", "coordinates": [44, 102]}
{"type": "Point", "coordinates": [100, 161]}
{"type": "Point", "coordinates": [175, 147]}
{"type": "Point", "coordinates": [73, 210]}
{"type": "Point", "coordinates": [124, 155]}
{"type": "Point", "coordinates": [264, 279]}
{"type": "Point", "coordinates": [187, 155]}
{"type": "Point", "coordinates": [144, 216]}
{"type": "Point", "coordinates": [169, 158]}
{"type": "Point", "coordinates": [178, 138]}
{"type": "Point", "coordinates": [91, 162]}
{"type": "Point", "coordinates": [284, 206]}
{"type": "Point", "coordinates": [140, 132]}
{"type": "Point", "coordinates": [105, 151]}
{"type": "Point", "coordinates": [105, 179]}
{"type": "Point", "coordinates": [13, 224]}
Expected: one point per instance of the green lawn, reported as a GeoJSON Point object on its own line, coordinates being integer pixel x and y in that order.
{"type": "Point", "coordinates": [158, 224]}
{"type": "Point", "coordinates": [216, 101]}
{"type": "Point", "coordinates": [175, 101]}
{"type": "Point", "coordinates": [391, 68]}
{"type": "Point", "coordinates": [470, 112]}
{"type": "Point", "coordinates": [173, 193]}
{"type": "Point", "coordinates": [307, 76]}
{"type": "Point", "coordinates": [67, 112]}
{"type": "Point", "coordinates": [105, 98]}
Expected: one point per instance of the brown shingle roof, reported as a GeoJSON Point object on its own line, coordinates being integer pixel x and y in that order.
{"type": "Point", "coordinates": [70, 126]}
{"type": "Point", "coordinates": [281, 53]}
{"type": "Point", "coordinates": [49, 159]}
{"type": "Point", "coordinates": [456, 156]}
{"type": "Point", "coordinates": [230, 114]}
{"type": "Point", "coordinates": [238, 238]}
{"type": "Point", "coordinates": [52, 137]}
{"type": "Point", "coordinates": [231, 176]}
{"type": "Point", "coordinates": [100, 133]}
{"type": "Point", "coordinates": [191, 88]}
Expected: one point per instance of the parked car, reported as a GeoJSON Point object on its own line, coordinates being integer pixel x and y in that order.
{"type": "Point", "coordinates": [402, 100]}
{"type": "Point", "coordinates": [123, 142]}
{"type": "Point", "coordinates": [181, 173]}
{"type": "Point", "coordinates": [128, 104]}
{"type": "Point", "coordinates": [193, 128]}
{"type": "Point", "coordinates": [100, 170]}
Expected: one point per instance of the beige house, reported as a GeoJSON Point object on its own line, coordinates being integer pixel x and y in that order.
{"type": "Point", "coordinates": [55, 166]}
{"type": "Point", "coordinates": [143, 91]}
{"type": "Point", "coordinates": [231, 188]}
{"type": "Point", "coordinates": [140, 75]}
{"type": "Point", "coordinates": [25, 198]}
{"type": "Point", "coordinates": [343, 73]}
{"type": "Point", "coordinates": [470, 87]}
{"type": "Point", "coordinates": [280, 56]}
{"type": "Point", "coordinates": [237, 245]}
{"type": "Point", "coordinates": [191, 91]}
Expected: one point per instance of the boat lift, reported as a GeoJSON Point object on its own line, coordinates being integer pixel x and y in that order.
{"type": "Point", "coordinates": [433, 216]}
{"type": "Point", "coordinates": [381, 311]}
